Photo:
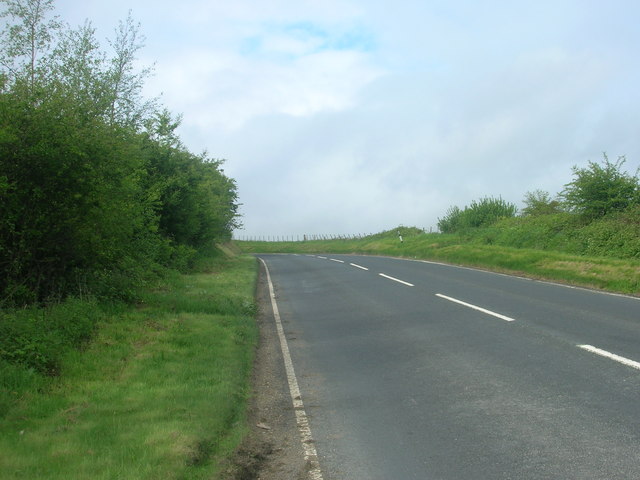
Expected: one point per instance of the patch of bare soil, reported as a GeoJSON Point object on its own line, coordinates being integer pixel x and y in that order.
{"type": "Point", "coordinates": [272, 450]}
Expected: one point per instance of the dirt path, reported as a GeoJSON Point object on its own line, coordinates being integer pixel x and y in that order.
{"type": "Point", "coordinates": [272, 450]}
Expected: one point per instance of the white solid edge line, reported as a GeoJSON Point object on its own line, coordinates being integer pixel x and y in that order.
{"type": "Point", "coordinates": [359, 266]}
{"type": "Point", "coordinates": [612, 356]}
{"type": "Point", "coordinates": [475, 307]}
{"type": "Point", "coordinates": [397, 280]}
{"type": "Point", "coordinates": [336, 260]}
{"type": "Point", "coordinates": [310, 453]}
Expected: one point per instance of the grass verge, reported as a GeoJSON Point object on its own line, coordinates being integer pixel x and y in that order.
{"type": "Point", "coordinates": [611, 274]}
{"type": "Point", "coordinates": [160, 391]}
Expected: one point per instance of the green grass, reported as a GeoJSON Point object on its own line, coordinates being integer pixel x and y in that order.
{"type": "Point", "coordinates": [612, 274]}
{"type": "Point", "coordinates": [159, 392]}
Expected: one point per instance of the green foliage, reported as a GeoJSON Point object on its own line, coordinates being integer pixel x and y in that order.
{"type": "Point", "coordinates": [161, 393]}
{"type": "Point", "coordinates": [544, 232]}
{"type": "Point", "coordinates": [540, 202]}
{"type": "Point", "coordinates": [99, 200]}
{"type": "Point", "coordinates": [601, 188]}
{"type": "Point", "coordinates": [96, 190]}
{"type": "Point", "coordinates": [196, 202]}
{"type": "Point", "coordinates": [27, 38]}
{"type": "Point", "coordinates": [452, 221]}
{"type": "Point", "coordinates": [394, 233]}
{"type": "Point", "coordinates": [38, 338]}
{"type": "Point", "coordinates": [16, 382]}
{"type": "Point", "coordinates": [74, 204]}
{"type": "Point", "coordinates": [480, 213]}
{"type": "Point", "coordinates": [597, 214]}
{"type": "Point", "coordinates": [616, 235]}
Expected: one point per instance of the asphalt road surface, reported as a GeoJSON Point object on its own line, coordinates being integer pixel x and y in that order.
{"type": "Point", "coordinates": [415, 370]}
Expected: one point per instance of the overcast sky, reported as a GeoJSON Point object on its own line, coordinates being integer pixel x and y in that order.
{"type": "Point", "coordinates": [357, 116]}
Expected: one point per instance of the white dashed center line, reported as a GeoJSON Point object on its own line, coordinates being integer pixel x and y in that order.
{"type": "Point", "coordinates": [397, 280]}
{"type": "Point", "coordinates": [359, 266]}
{"type": "Point", "coordinates": [611, 356]}
{"type": "Point", "coordinates": [475, 307]}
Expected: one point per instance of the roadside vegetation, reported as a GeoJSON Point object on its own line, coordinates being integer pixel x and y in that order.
{"type": "Point", "coordinates": [97, 192]}
{"type": "Point", "coordinates": [588, 234]}
{"type": "Point", "coordinates": [127, 330]}
{"type": "Point", "coordinates": [160, 391]}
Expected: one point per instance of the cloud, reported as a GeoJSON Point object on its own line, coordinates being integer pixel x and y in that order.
{"type": "Point", "coordinates": [351, 116]}
{"type": "Point", "coordinates": [297, 69]}
{"type": "Point", "coordinates": [414, 145]}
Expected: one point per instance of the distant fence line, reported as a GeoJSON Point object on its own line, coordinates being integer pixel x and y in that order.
{"type": "Point", "coordinates": [297, 238]}
{"type": "Point", "coordinates": [306, 237]}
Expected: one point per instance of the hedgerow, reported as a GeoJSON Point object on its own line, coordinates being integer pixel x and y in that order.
{"type": "Point", "coordinates": [96, 190]}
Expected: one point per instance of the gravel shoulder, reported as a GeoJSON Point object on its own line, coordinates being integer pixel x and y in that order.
{"type": "Point", "coordinates": [272, 449]}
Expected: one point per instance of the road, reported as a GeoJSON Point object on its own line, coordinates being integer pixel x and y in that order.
{"type": "Point", "coordinates": [415, 370]}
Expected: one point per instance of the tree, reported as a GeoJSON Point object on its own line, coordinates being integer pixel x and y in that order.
{"type": "Point", "coordinates": [77, 71]}
{"type": "Point", "coordinates": [30, 35]}
{"type": "Point", "coordinates": [126, 104]}
{"type": "Point", "coordinates": [540, 202]}
{"type": "Point", "coordinates": [196, 203]}
{"type": "Point", "coordinates": [450, 223]}
{"type": "Point", "coordinates": [600, 189]}
{"type": "Point", "coordinates": [95, 186]}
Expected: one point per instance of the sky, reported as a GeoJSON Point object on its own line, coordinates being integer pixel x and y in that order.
{"type": "Point", "coordinates": [342, 117]}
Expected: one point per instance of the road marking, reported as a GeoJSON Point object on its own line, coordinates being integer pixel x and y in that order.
{"type": "Point", "coordinates": [336, 260]}
{"type": "Point", "coordinates": [612, 356]}
{"type": "Point", "coordinates": [302, 420]}
{"type": "Point", "coordinates": [324, 258]}
{"type": "Point", "coordinates": [397, 280]}
{"type": "Point", "coordinates": [359, 266]}
{"type": "Point", "coordinates": [475, 307]}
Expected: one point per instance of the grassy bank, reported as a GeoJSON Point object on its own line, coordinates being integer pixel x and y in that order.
{"type": "Point", "coordinates": [159, 391]}
{"type": "Point", "coordinates": [612, 274]}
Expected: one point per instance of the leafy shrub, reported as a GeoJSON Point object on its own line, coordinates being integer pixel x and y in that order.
{"type": "Point", "coordinates": [480, 213]}
{"type": "Point", "coordinates": [543, 232]}
{"type": "Point", "coordinates": [615, 235]}
{"type": "Point", "coordinates": [38, 338]}
{"type": "Point", "coordinates": [601, 189]}
{"type": "Point", "coordinates": [451, 222]}
{"type": "Point", "coordinates": [540, 202]}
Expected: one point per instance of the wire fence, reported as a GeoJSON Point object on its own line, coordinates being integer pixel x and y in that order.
{"type": "Point", "coordinates": [307, 237]}
{"type": "Point", "coordinates": [297, 238]}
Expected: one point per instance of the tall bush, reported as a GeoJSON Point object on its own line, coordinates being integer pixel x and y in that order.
{"type": "Point", "coordinates": [540, 202]}
{"type": "Point", "coordinates": [600, 189]}
{"type": "Point", "coordinates": [480, 213]}
{"type": "Point", "coordinates": [451, 222]}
